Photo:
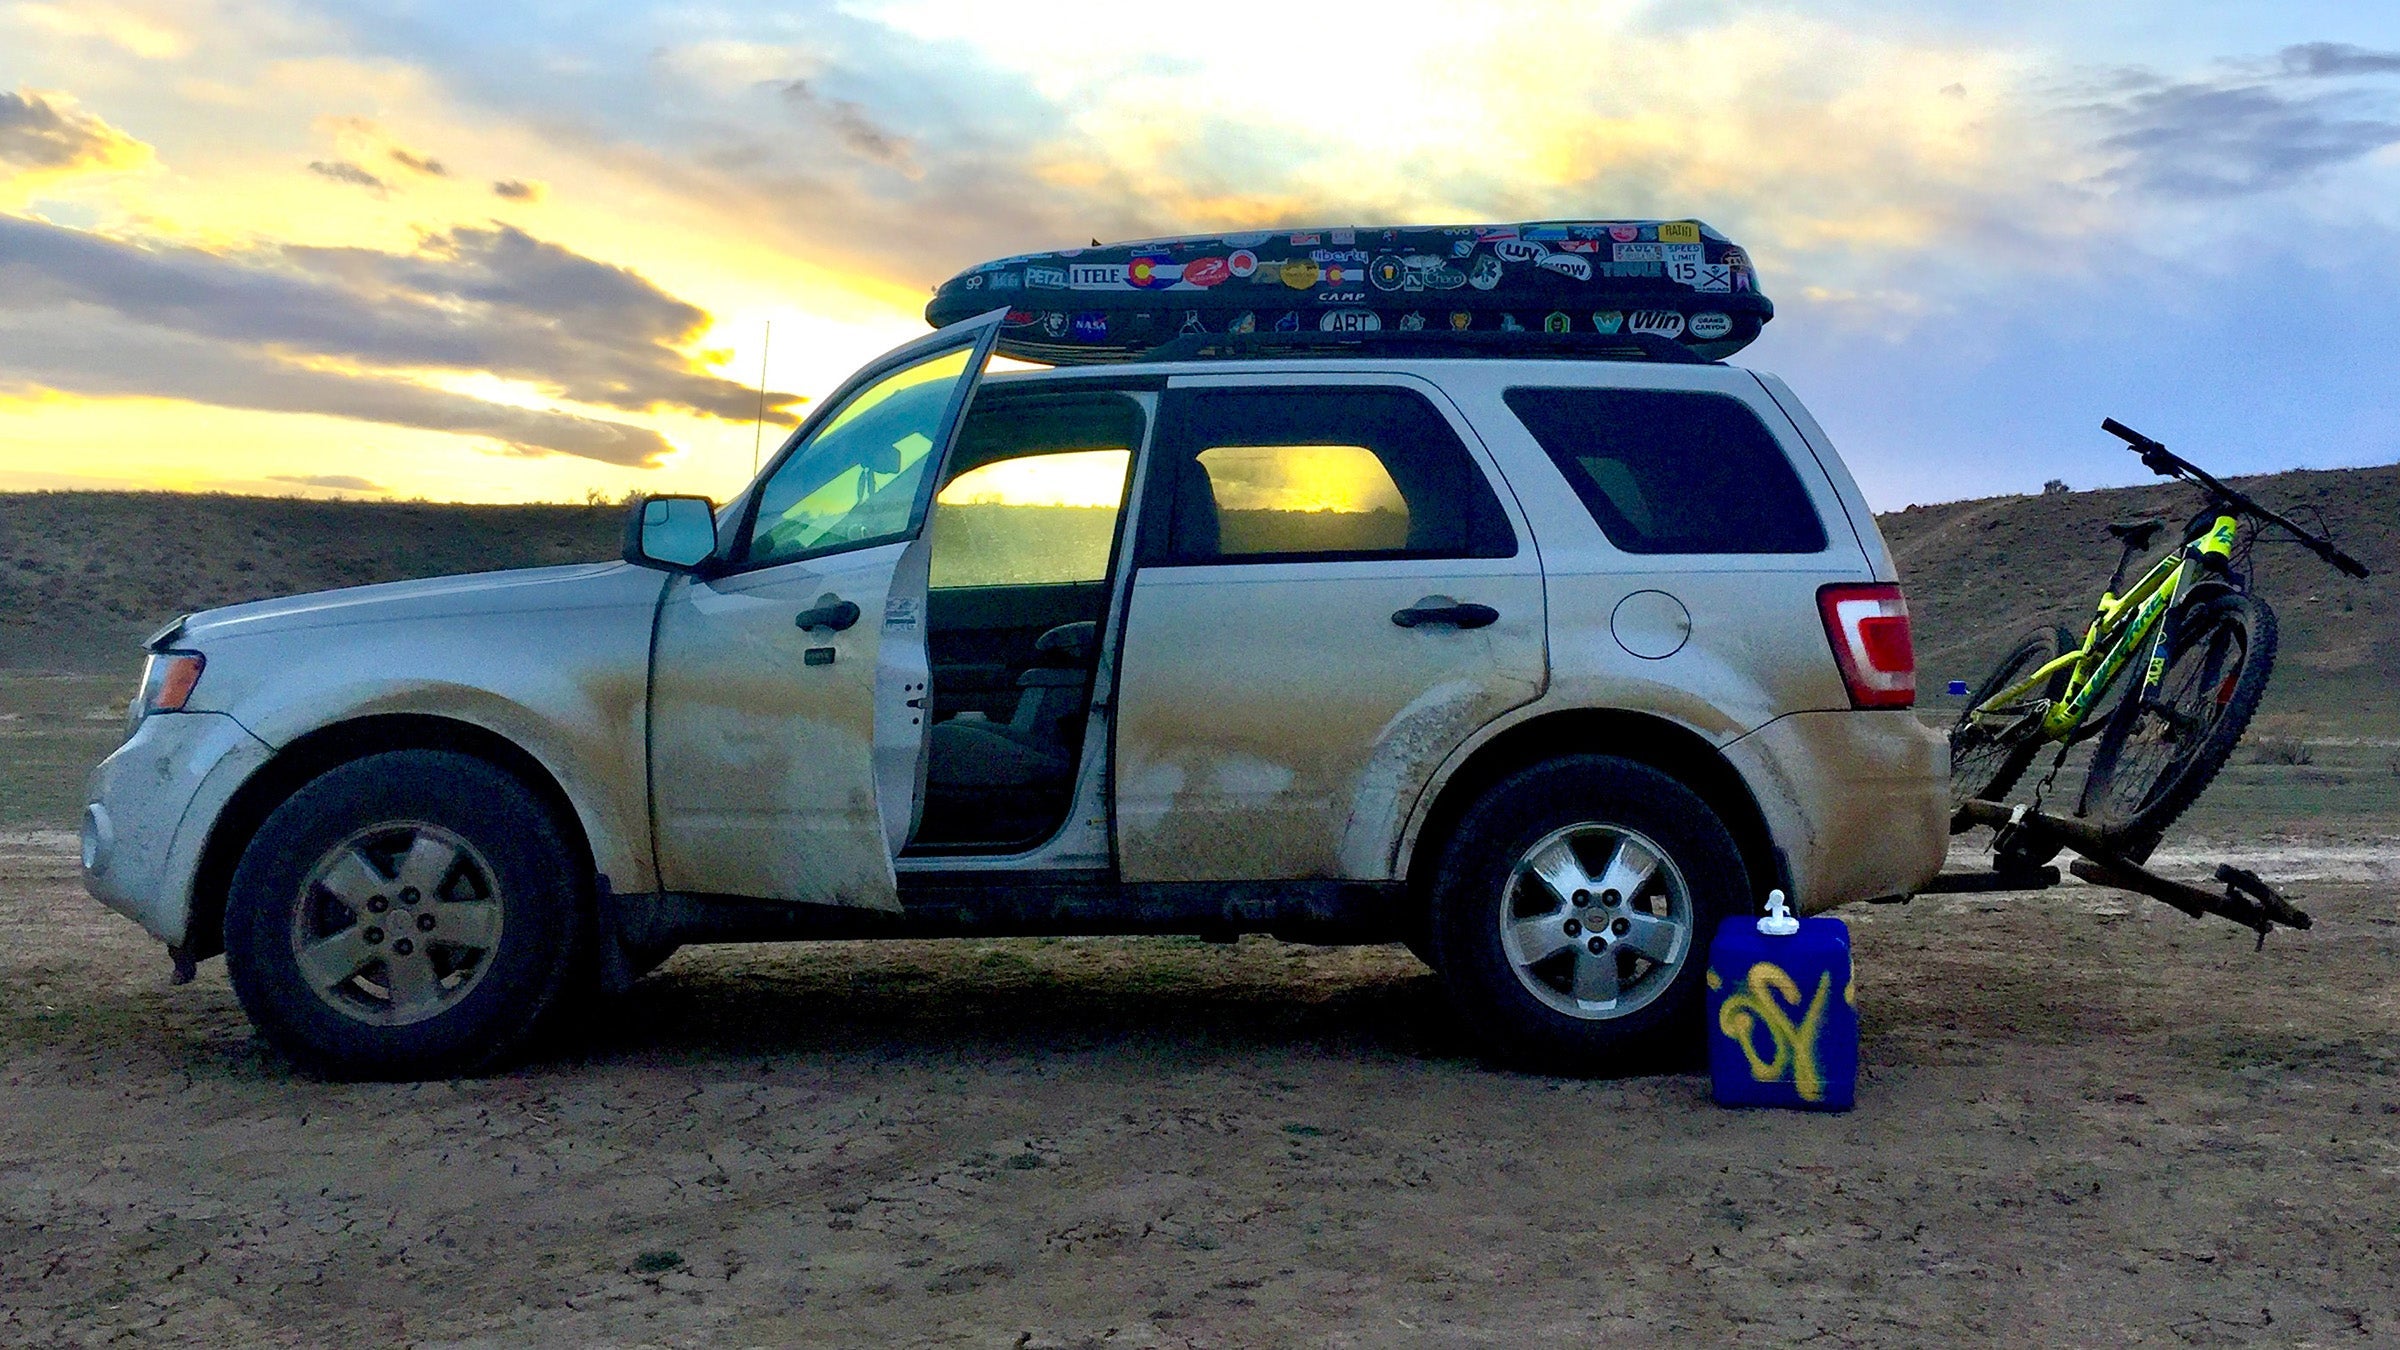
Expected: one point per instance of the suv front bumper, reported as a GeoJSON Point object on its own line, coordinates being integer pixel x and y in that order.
{"type": "Point", "coordinates": [1858, 801]}
{"type": "Point", "coordinates": [151, 807]}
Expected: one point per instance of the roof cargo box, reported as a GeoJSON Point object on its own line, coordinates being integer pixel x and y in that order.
{"type": "Point", "coordinates": [1673, 279]}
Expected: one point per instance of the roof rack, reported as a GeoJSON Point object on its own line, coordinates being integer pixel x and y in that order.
{"type": "Point", "coordinates": [1427, 343]}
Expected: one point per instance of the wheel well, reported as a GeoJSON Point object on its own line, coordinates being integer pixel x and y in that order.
{"type": "Point", "coordinates": [1662, 745]}
{"type": "Point", "coordinates": [309, 757]}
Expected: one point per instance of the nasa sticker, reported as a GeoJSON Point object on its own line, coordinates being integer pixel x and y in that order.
{"type": "Point", "coordinates": [1241, 262]}
{"type": "Point", "coordinates": [1709, 325]}
{"type": "Point", "coordinates": [1350, 321]}
{"type": "Point", "coordinates": [1091, 328]}
{"type": "Point", "coordinates": [1665, 323]}
{"type": "Point", "coordinates": [1485, 274]}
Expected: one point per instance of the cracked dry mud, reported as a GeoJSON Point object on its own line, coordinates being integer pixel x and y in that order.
{"type": "Point", "coordinates": [2086, 1120]}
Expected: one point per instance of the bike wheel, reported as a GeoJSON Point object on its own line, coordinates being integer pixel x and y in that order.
{"type": "Point", "coordinates": [1988, 755]}
{"type": "Point", "coordinates": [2157, 754]}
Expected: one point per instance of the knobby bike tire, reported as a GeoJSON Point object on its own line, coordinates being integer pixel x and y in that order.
{"type": "Point", "coordinates": [1982, 767]}
{"type": "Point", "coordinates": [2134, 796]}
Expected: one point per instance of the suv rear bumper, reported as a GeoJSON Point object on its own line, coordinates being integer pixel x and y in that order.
{"type": "Point", "coordinates": [1858, 801]}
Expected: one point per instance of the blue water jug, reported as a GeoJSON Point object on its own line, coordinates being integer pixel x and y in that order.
{"type": "Point", "coordinates": [1782, 1012]}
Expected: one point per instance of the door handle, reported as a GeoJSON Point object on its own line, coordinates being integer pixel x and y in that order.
{"type": "Point", "coordinates": [1442, 609]}
{"type": "Point", "coordinates": [828, 613]}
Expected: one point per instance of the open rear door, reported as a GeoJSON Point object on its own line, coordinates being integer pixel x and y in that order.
{"type": "Point", "coordinates": [788, 682]}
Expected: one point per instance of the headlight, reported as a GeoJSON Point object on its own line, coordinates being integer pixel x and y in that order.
{"type": "Point", "coordinates": [167, 682]}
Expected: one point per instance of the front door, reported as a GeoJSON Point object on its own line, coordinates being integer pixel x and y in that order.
{"type": "Point", "coordinates": [788, 684]}
{"type": "Point", "coordinates": [1332, 595]}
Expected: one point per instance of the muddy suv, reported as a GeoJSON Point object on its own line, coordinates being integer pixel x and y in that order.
{"type": "Point", "coordinates": [1540, 664]}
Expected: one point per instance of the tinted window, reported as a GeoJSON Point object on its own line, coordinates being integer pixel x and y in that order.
{"type": "Point", "coordinates": [1319, 473]}
{"type": "Point", "coordinates": [856, 481]}
{"type": "Point", "coordinates": [1672, 472]}
{"type": "Point", "coordinates": [1036, 519]}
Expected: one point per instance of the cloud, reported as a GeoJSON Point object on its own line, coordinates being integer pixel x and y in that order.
{"type": "Point", "coordinates": [338, 482]}
{"type": "Point", "coordinates": [518, 190]}
{"type": "Point", "coordinates": [851, 125]}
{"type": "Point", "coordinates": [2206, 138]}
{"type": "Point", "coordinates": [2337, 58]}
{"type": "Point", "coordinates": [352, 332]}
{"type": "Point", "coordinates": [343, 171]}
{"type": "Point", "coordinates": [80, 349]}
{"type": "Point", "coordinates": [44, 137]}
{"type": "Point", "coordinates": [431, 168]}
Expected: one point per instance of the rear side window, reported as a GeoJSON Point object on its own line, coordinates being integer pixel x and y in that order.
{"type": "Point", "coordinates": [1668, 471]}
{"type": "Point", "coordinates": [1295, 474]}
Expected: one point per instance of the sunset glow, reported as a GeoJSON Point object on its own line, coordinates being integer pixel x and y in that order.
{"type": "Point", "coordinates": [467, 253]}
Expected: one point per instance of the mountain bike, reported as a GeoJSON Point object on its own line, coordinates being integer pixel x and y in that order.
{"type": "Point", "coordinates": [2210, 647]}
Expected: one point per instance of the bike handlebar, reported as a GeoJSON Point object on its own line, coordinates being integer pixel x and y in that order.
{"type": "Point", "coordinates": [2168, 464]}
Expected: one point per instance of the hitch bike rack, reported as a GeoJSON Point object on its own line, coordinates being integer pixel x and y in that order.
{"type": "Point", "coordinates": [2246, 900]}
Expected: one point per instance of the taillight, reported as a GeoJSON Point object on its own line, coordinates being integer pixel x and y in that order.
{"type": "Point", "coordinates": [1868, 627]}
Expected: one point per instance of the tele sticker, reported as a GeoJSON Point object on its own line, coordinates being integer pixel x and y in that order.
{"type": "Point", "coordinates": [1710, 325]}
{"type": "Point", "coordinates": [1095, 276]}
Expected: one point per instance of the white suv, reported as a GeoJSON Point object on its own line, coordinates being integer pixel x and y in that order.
{"type": "Point", "coordinates": [1543, 665]}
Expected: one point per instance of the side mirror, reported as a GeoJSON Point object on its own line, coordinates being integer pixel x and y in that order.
{"type": "Point", "coordinates": [676, 533]}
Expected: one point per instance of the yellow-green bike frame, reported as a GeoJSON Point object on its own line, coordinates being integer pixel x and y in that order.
{"type": "Point", "coordinates": [2121, 626]}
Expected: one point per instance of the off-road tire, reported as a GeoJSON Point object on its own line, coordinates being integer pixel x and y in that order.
{"type": "Point", "coordinates": [2136, 828]}
{"type": "Point", "coordinates": [1991, 775]}
{"type": "Point", "coordinates": [1510, 1025]}
{"type": "Point", "coordinates": [535, 880]}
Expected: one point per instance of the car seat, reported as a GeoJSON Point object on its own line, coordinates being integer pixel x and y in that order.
{"type": "Point", "coordinates": [1010, 780]}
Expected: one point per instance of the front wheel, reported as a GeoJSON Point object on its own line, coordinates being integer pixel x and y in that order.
{"type": "Point", "coordinates": [1989, 751]}
{"type": "Point", "coordinates": [407, 915]}
{"type": "Point", "coordinates": [2163, 745]}
{"type": "Point", "coordinates": [1573, 911]}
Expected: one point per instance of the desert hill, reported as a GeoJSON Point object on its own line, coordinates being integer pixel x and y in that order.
{"type": "Point", "coordinates": [85, 575]}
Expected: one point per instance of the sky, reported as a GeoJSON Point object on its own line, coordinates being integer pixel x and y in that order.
{"type": "Point", "coordinates": [536, 251]}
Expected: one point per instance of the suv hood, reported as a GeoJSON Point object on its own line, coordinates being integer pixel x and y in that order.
{"type": "Point", "coordinates": [522, 591]}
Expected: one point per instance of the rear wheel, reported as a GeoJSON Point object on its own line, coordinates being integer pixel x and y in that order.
{"type": "Point", "coordinates": [2161, 750]}
{"type": "Point", "coordinates": [1573, 912]}
{"type": "Point", "coordinates": [1989, 753]}
{"type": "Point", "coordinates": [407, 915]}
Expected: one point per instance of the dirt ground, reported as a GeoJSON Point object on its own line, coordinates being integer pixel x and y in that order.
{"type": "Point", "coordinates": [2084, 1120]}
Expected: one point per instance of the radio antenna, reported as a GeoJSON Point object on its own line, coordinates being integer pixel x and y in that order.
{"type": "Point", "coordinates": [759, 427]}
